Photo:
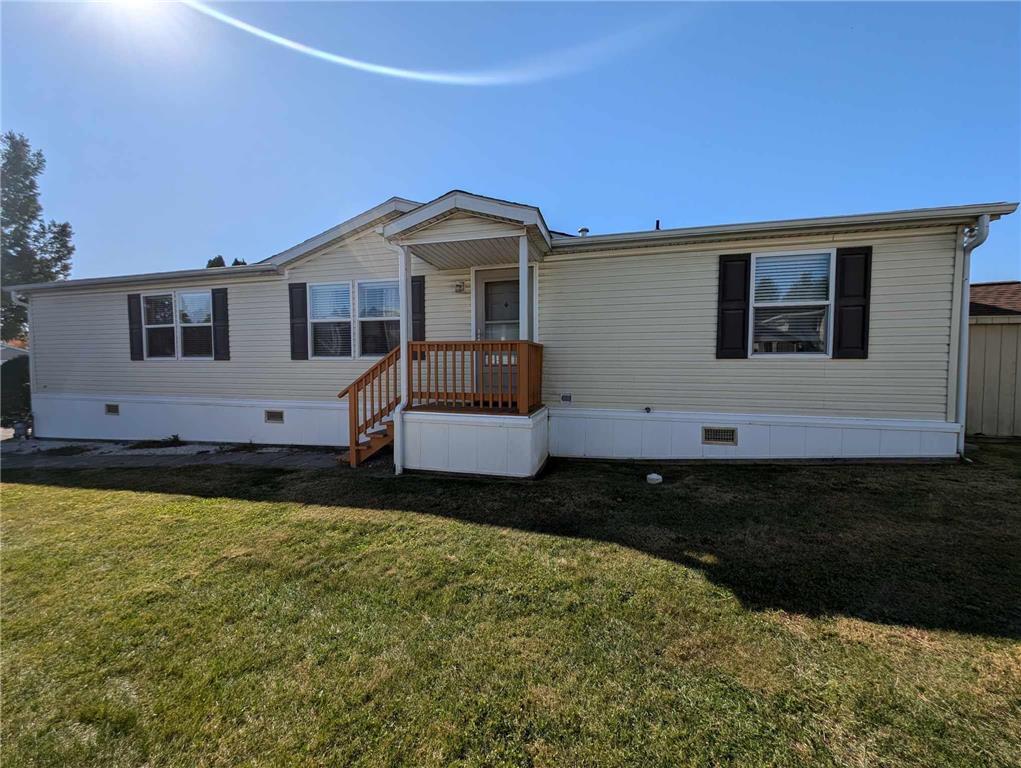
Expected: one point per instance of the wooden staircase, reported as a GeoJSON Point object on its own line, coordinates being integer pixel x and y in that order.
{"type": "Point", "coordinates": [372, 398]}
{"type": "Point", "coordinates": [377, 441]}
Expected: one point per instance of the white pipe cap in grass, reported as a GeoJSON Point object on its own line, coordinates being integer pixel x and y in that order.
{"type": "Point", "coordinates": [653, 479]}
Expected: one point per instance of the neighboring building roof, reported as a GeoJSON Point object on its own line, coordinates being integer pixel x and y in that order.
{"type": "Point", "coordinates": [394, 214]}
{"type": "Point", "coordinates": [1001, 298]}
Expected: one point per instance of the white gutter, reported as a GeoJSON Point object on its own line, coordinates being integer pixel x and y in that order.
{"type": "Point", "coordinates": [956, 214]}
{"type": "Point", "coordinates": [214, 273]}
{"type": "Point", "coordinates": [971, 238]}
{"type": "Point", "coordinates": [404, 282]}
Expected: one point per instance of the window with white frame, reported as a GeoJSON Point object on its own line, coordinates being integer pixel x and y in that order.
{"type": "Point", "coordinates": [195, 316]}
{"type": "Point", "coordinates": [160, 331]}
{"type": "Point", "coordinates": [379, 316]}
{"type": "Point", "coordinates": [792, 296]}
{"type": "Point", "coordinates": [329, 319]}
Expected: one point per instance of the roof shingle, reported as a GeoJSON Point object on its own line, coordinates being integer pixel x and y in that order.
{"type": "Point", "coordinates": [1002, 298]}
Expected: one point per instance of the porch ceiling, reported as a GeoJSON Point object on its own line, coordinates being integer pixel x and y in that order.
{"type": "Point", "coordinates": [463, 254]}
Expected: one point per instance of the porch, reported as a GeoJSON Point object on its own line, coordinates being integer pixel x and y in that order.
{"type": "Point", "coordinates": [496, 374]}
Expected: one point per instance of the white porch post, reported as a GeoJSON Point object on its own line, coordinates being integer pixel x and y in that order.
{"type": "Point", "coordinates": [404, 285]}
{"type": "Point", "coordinates": [523, 289]}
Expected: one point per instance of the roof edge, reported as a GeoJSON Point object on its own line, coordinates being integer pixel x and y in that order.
{"type": "Point", "coordinates": [472, 203]}
{"type": "Point", "coordinates": [147, 277]}
{"type": "Point", "coordinates": [271, 265]}
{"type": "Point", "coordinates": [945, 214]}
{"type": "Point", "coordinates": [355, 224]}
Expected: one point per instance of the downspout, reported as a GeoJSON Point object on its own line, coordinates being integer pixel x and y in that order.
{"type": "Point", "coordinates": [403, 278]}
{"type": "Point", "coordinates": [15, 300]}
{"type": "Point", "coordinates": [971, 238]}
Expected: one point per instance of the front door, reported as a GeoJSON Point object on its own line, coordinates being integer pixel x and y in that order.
{"type": "Point", "coordinates": [498, 321]}
{"type": "Point", "coordinates": [500, 310]}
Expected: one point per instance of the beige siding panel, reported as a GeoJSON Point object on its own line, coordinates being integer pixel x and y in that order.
{"type": "Point", "coordinates": [447, 313]}
{"type": "Point", "coordinates": [461, 226]}
{"type": "Point", "coordinates": [639, 330]}
{"type": "Point", "coordinates": [994, 379]}
{"type": "Point", "coordinates": [81, 337]}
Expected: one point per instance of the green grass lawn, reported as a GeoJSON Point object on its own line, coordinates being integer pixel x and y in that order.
{"type": "Point", "coordinates": [739, 615]}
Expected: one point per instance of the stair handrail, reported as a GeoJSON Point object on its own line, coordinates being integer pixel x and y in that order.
{"type": "Point", "coordinates": [372, 396]}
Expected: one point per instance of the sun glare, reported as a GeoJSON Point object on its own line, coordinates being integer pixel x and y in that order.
{"type": "Point", "coordinates": [148, 28]}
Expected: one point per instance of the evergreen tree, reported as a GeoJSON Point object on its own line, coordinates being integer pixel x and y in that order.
{"type": "Point", "coordinates": [239, 263]}
{"type": "Point", "coordinates": [33, 251]}
{"type": "Point", "coordinates": [216, 261]}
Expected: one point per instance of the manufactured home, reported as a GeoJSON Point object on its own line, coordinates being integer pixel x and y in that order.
{"type": "Point", "coordinates": [473, 338]}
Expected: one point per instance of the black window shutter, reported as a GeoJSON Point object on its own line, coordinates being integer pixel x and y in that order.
{"type": "Point", "coordinates": [418, 308]}
{"type": "Point", "coordinates": [221, 325]}
{"type": "Point", "coordinates": [135, 326]}
{"type": "Point", "coordinates": [851, 303]}
{"type": "Point", "coordinates": [299, 320]}
{"type": "Point", "coordinates": [732, 307]}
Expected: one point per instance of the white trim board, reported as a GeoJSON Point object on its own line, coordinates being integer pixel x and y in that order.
{"type": "Point", "coordinates": [213, 420]}
{"type": "Point", "coordinates": [476, 444]}
{"type": "Point", "coordinates": [623, 434]}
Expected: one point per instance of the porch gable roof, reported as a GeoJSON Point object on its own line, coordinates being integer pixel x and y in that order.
{"type": "Point", "coordinates": [414, 225]}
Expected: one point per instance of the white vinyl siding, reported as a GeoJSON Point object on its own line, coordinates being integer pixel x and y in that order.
{"type": "Point", "coordinates": [635, 331]}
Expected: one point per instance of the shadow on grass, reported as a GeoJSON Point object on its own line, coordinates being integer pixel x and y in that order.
{"type": "Point", "coordinates": [934, 546]}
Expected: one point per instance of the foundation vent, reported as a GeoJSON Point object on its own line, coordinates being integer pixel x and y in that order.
{"type": "Point", "coordinates": [274, 417]}
{"type": "Point", "coordinates": [113, 409]}
{"type": "Point", "coordinates": [719, 435]}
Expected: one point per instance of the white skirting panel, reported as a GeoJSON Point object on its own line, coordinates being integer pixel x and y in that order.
{"type": "Point", "coordinates": [199, 419]}
{"type": "Point", "coordinates": [510, 446]}
{"type": "Point", "coordinates": [619, 434]}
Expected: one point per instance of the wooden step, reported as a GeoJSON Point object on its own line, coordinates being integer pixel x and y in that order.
{"type": "Point", "coordinates": [376, 441]}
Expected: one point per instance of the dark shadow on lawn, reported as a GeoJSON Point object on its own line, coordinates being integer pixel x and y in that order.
{"type": "Point", "coordinates": [931, 546]}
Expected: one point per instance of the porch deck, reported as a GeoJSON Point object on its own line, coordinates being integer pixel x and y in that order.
{"type": "Point", "coordinates": [456, 377]}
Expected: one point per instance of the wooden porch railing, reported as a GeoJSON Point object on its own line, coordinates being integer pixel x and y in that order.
{"type": "Point", "coordinates": [501, 376]}
{"type": "Point", "coordinates": [477, 375]}
{"type": "Point", "coordinates": [372, 397]}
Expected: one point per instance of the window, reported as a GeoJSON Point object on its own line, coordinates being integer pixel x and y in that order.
{"type": "Point", "coordinates": [379, 316]}
{"type": "Point", "coordinates": [329, 317]}
{"type": "Point", "coordinates": [178, 325]}
{"type": "Point", "coordinates": [158, 318]}
{"type": "Point", "coordinates": [195, 314]}
{"type": "Point", "coordinates": [792, 296]}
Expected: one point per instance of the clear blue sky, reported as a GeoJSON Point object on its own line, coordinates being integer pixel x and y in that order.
{"type": "Point", "coordinates": [172, 137]}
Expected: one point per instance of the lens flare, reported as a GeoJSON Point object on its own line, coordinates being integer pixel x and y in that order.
{"type": "Point", "coordinates": [554, 64]}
